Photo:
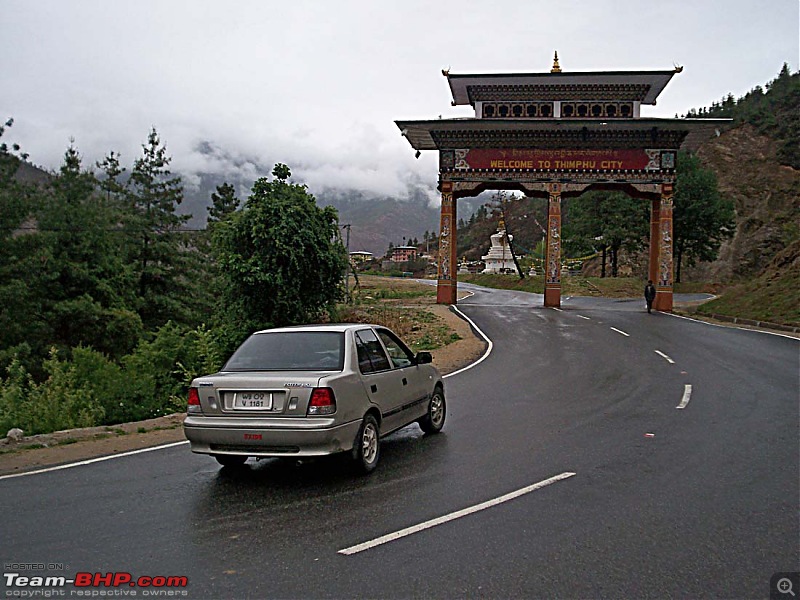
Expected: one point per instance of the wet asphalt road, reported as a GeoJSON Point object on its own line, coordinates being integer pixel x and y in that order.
{"type": "Point", "coordinates": [698, 502]}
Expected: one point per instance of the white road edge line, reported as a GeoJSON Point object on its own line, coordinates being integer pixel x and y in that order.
{"type": "Point", "coordinates": [93, 460]}
{"type": "Point", "coordinates": [452, 516]}
{"type": "Point", "coordinates": [665, 357]}
{"type": "Point", "coordinates": [582, 317]}
{"type": "Point", "coordinates": [620, 331]}
{"type": "Point", "coordinates": [687, 395]}
{"type": "Point", "coordinates": [483, 335]}
{"type": "Point", "coordinates": [739, 328]}
{"type": "Point", "coordinates": [556, 308]}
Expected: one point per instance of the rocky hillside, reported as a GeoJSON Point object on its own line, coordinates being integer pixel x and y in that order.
{"type": "Point", "coordinates": [766, 197]}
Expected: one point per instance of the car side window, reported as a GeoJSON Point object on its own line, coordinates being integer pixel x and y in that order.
{"type": "Point", "coordinates": [371, 357]}
{"type": "Point", "coordinates": [399, 353]}
{"type": "Point", "coordinates": [364, 364]}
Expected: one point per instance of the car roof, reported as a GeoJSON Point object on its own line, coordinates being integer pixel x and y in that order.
{"type": "Point", "coordinates": [327, 327]}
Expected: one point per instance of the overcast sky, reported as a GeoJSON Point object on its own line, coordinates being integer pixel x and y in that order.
{"type": "Point", "coordinates": [318, 84]}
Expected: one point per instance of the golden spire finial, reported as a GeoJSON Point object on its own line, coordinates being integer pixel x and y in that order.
{"type": "Point", "coordinates": [501, 226]}
{"type": "Point", "coordinates": [556, 68]}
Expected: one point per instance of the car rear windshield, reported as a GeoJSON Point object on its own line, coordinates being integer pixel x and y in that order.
{"type": "Point", "coordinates": [289, 351]}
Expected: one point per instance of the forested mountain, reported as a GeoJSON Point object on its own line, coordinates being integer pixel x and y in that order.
{"type": "Point", "coordinates": [773, 110]}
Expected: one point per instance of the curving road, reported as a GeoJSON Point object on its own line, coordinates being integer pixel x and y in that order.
{"type": "Point", "coordinates": [648, 500]}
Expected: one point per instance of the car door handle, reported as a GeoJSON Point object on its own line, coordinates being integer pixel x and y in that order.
{"type": "Point", "coordinates": [374, 388]}
{"type": "Point", "coordinates": [405, 381]}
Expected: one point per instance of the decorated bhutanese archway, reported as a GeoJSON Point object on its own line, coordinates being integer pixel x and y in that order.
{"type": "Point", "coordinates": [557, 135]}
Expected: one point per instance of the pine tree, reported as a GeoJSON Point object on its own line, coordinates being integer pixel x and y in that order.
{"type": "Point", "coordinates": [223, 203]}
{"type": "Point", "coordinates": [157, 250]}
{"type": "Point", "coordinates": [18, 301]}
{"type": "Point", "coordinates": [87, 289]}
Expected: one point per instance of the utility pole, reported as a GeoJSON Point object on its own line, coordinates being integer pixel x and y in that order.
{"type": "Point", "coordinates": [347, 271]}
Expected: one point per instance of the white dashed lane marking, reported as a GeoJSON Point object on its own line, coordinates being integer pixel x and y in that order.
{"type": "Point", "coordinates": [665, 357]}
{"type": "Point", "coordinates": [454, 515]}
{"type": "Point", "coordinates": [687, 395]}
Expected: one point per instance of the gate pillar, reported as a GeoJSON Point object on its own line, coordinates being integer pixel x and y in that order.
{"type": "Point", "coordinates": [552, 281]}
{"type": "Point", "coordinates": [447, 285]}
{"type": "Point", "coordinates": [655, 227]}
{"type": "Point", "coordinates": [663, 301]}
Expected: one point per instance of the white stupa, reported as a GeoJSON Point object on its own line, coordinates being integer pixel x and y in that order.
{"type": "Point", "coordinates": [500, 259]}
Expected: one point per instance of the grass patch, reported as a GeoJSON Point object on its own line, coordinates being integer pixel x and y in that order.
{"type": "Point", "coordinates": [400, 305]}
{"type": "Point", "coordinates": [418, 327]}
{"type": "Point", "coordinates": [776, 301]}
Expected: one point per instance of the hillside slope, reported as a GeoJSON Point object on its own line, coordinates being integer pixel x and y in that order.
{"type": "Point", "coordinates": [766, 196]}
{"type": "Point", "coordinates": [774, 296]}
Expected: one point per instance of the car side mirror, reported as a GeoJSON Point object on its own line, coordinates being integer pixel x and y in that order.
{"type": "Point", "coordinates": [423, 358]}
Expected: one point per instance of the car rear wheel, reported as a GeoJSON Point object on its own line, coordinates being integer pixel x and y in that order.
{"type": "Point", "coordinates": [433, 421]}
{"type": "Point", "coordinates": [230, 460]}
{"type": "Point", "coordinates": [367, 449]}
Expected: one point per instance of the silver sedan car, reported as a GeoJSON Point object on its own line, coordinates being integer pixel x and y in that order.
{"type": "Point", "coordinates": [311, 391]}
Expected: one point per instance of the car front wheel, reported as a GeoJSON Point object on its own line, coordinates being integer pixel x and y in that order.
{"type": "Point", "coordinates": [433, 421]}
{"type": "Point", "coordinates": [367, 449]}
{"type": "Point", "coordinates": [230, 460]}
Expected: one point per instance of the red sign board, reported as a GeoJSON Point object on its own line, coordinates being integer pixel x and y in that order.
{"type": "Point", "coordinates": [576, 160]}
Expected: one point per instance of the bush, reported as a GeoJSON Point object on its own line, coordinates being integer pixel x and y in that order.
{"type": "Point", "coordinates": [161, 369]}
{"type": "Point", "coordinates": [91, 389]}
{"type": "Point", "coordinates": [61, 401]}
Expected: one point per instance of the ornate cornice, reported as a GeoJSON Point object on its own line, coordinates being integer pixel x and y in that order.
{"type": "Point", "coordinates": [594, 139]}
{"type": "Point", "coordinates": [570, 181]}
{"type": "Point", "coordinates": [604, 92]}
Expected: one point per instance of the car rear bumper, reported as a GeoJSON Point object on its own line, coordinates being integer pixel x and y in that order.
{"type": "Point", "coordinates": [209, 435]}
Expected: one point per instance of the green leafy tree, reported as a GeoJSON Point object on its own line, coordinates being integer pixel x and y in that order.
{"type": "Point", "coordinates": [157, 250]}
{"type": "Point", "coordinates": [701, 217]}
{"type": "Point", "coordinates": [609, 222]}
{"type": "Point", "coordinates": [281, 259]}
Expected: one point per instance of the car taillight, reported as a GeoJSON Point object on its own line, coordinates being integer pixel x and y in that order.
{"type": "Point", "coordinates": [322, 402]}
{"type": "Point", "coordinates": [194, 401]}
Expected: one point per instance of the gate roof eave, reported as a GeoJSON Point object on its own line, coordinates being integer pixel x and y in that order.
{"type": "Point", "coordinates": [650, 83]}
{"type": "Point", "coordinates": [419, 133]}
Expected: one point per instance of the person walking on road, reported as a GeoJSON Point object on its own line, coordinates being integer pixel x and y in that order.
{"type": "Point", "coordinates": [649, 294]}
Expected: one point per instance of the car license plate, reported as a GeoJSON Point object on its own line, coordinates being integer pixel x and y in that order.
{"type": "Point", "coordinates": [252, 401]}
